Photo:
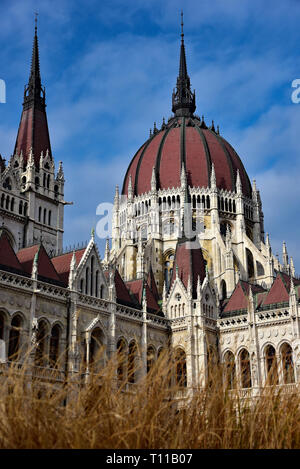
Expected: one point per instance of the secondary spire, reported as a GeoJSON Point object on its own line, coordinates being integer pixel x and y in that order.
{"type": "Point", "coordinates": [34, 92]}
{"type": "Point", "coordinates": [33, 134]}
{"type": "Point", "coordinates": [183, 99]}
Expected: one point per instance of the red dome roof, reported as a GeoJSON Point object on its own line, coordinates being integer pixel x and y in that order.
{"type": "Point", "coordinates": [188, 141]}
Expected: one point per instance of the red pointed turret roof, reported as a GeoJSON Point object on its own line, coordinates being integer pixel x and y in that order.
{"type": "Point", "coordinates": [136, 288]}
{"type": "Point", "coordinates": [190, 263]}
{"type": "Point", "coordinates": [240, 296]}
{"type": "Point", "coordinates": [279, 291]}
{"type": "Point", "coordinates": [152, 284]}
{"type": "Point", "coordinates": [8, 258]}
{"type": "Point", "coordinates": [46, 269]}
{"type": "Point", "coordinates": [33, 130]}
{"type": "Point", "coordinates": [62, 263]}
{"type": "Point", "coordinates": [122, 293]}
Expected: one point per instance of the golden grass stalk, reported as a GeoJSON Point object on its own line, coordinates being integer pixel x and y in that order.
{"type": "Point", "coordinates": [105, 410]}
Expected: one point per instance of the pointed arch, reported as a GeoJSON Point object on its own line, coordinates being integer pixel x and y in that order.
{"type": "Point", "coordinates": [271, 365]}
{"type": "Point", "coordinates": [223, 288]}
{"type": "Point", "coordinates": [41, 358]}
{"type": "Point", "coordinates": [150, 358]}
{"type": "Point", "coordinates": [96, 355]}
{"type": "Point", "coordinates": [54, 345]}
{"type": "Point", "coordinates": [181, 369]}
{"type": "Point", "coordinates": [230, 372]}
{"type": "Point", "coordinates": [286, 355]}
{"type": "Point", "coordinates": [245, 368]}
{"type": "Point", "coordinates": [132, 362]}
{"type": "Point", "coordinates": [15, 338]}
{"type": "Point", "coordinates": [122, 351]}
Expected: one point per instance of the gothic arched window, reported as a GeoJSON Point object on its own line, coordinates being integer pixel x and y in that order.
{"type": "Point", "coordinates": [121, 348]}
{"type": "Point", "coordinates": [92, 276]}
{"type": "Point", "coordinates": [7, 184]}
{"type": "Point", "coordinates": [168, 267]}
{"type": "Point", "coordinates": [223, 290]}
{"type": "Point", "coordinates": [229, 363]}
{"type": "Point", "coordinates": [54, 345]}
{"type": "Point", "coordinates": [150, 358]}
{"type": "Point", "coordinates": [97, 284]}
{"type": "Point", "coordinates": [96, 349]}
{"type": "Point", "coordinates": [181, 372]}
{"type": "Point", "coordinates": [2, 324]}
{"type": "Point", "coordinates": [271, 365]}
{"type": "Point", "coordinates": [250, 263]}
{"type": "Point", "coordinates": [132, 357]}
{"type": "Point", "coordinates": [41, 352]}
{"type": "Point", "coordinates": [286, 353]}
{"type": "Point", "coordinates": [14, 338]}
{"type": "Point", "coordinates": [245, 369]}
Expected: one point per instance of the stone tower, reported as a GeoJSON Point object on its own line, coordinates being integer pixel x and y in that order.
{"type": "Point", "coordinates": [32, 194]}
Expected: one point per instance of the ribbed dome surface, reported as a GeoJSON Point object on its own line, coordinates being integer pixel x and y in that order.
{"type": "Point", "coordinates": [188, 141]}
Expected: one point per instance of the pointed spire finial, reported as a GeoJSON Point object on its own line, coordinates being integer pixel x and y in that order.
{"type": "Point", "coordinates": [34, 272]}
{"type": "Point", "coordinates": [182, 33]}
{"type": "Point", "coordinates": [72, 271]}
{"type": "Point", "coordinates": [130, 190]}
{"type": "Point", "coordinates": [199, 288]}
{"type": "Point", "coordinates": [35, 21]}
{"type": "Point", "coordinates": [238, 183]}
{"type": "Point", "coordinates": [183, 99]}
{"type": "Point", "coordinates": [107, 252]}
{"type": "Point", "coordinates": [292, 267]}
{"type": "Point", "coordinates": [153, 180]}
{"type": "Point", "coordinates": [292, 286]}
{"type": "Point", "coordinates": [213, 181]}
{"type": "Point", "coordinates": [34, 93]}
{"type": "Point", "coordinates": [183, 176]}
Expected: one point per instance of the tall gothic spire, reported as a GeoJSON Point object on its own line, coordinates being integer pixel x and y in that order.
{"type": "Point", "coordinates": [183, 100]}
{"type": "Point", "coordinates": [34, 93]}
{"type": "Point", "coordinates": [33, 129]}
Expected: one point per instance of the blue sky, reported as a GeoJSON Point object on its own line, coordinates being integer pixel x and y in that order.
{"type": "Point", "coordinates": [109, 68]}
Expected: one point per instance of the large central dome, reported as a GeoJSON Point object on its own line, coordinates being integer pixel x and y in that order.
{"type": "Point", "coordinates": [188, 142]}
{"type": "Point", "coordinates": [185, 142]}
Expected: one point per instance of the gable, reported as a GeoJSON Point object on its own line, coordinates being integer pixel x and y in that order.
{"type": "Point", "coordinates": [62, 264]}
{"type": "Point", "coordinates": [278, 292]}
{"type": "Point", "coordinates": [8, 258]}
{"type": "Point", "coordinates": [136, 288]}
{"type": "Point", "coordinates": [46, 269]}
{"type": "Point", "coordinates": [90, 277]}
{"type": "Point", "coordinates": [237, 300]}
{"type": "Point", "coordinates": [122, 294]}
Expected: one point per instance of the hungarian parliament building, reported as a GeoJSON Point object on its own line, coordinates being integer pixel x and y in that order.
{"type": "Point", "coordinates": [187, 266]}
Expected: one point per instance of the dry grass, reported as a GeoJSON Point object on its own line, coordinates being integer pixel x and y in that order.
{"type": "Point", "coordinates": [103, 415]}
